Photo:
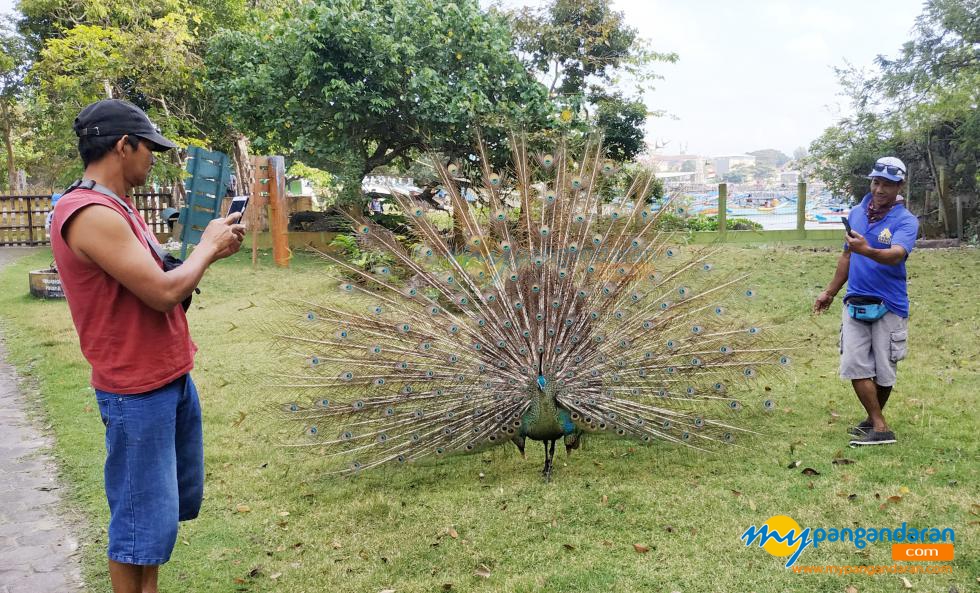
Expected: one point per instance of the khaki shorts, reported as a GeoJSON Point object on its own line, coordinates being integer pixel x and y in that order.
{"type": "Point", "coordinates": [872, 350]}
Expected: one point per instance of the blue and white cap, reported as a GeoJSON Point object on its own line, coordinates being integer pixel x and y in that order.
{"type": "Point", "coordinates": [890, 168]}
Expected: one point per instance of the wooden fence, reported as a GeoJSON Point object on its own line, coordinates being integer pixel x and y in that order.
{"type": "Point", "coordinates": [23, 217]}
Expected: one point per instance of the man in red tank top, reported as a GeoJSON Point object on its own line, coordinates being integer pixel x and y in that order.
{"type": "Point", "coordinates": [133, 331]}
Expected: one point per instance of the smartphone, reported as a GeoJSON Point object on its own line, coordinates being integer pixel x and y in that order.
{"type": "Point", "coordinates": [238, 204]}
{"type": "Point", "coordinates": [847, 224]}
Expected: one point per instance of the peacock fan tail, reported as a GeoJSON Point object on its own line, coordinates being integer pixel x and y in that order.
{"type": "Point", "coordinates": [550, 322]}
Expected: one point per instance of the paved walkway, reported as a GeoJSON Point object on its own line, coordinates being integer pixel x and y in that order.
{"type": "Point", "coordinates": [38, 553]}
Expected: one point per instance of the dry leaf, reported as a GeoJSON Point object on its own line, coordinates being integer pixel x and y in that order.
{"type": "Point", "coordinates": [274, 576]}
{"type": "Point", "coordinates": [851, 589]}
{"type": "Point", "coordinates": [930, 470]}
{"type": "Point", "coordinates": [453, 533]}
{"type": "Point", "coordinates": [751, 504]}
{"type": "Point", "coordinates": [283, 513]}
{"type": "Point", "coordinates": [482, 571]}
{"type": "Point", "coordinates": [894, 499]}
{"type": "Point", "coordinates": [794, 465]}
{"type": "Point", "coordinates": [736, 493]}
{"type": "Point", "coordinates": [605, 499]}
{"type": "Point", "coordinates": [243, 508]}
{"type": "Point", "coordinates": [903, 490]}
{"type": "Point", "coordinates": [335, 544]}
{"type": "Point", "coordinates": [906, 583]}
{"type": "Point", "coordinates": [387, 591]}
{"type": "Point", "coordinates": [568, 546]}
{"type": "Point", "coordinates": [641, 549]}
{"type": "Point", "coordinates": [809, 471]}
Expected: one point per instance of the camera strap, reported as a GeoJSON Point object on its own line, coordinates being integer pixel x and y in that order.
{"type": "Point", "coordinates": [90, 184]}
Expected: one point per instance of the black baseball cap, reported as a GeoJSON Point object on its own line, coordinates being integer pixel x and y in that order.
{"type": "Point", "coordinates": [115, 117]}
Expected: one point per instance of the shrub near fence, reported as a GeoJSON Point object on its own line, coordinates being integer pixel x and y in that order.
{"type": "Point", "coordinates": [22, 217]}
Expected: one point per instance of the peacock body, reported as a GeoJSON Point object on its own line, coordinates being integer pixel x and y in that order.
{"type": "Point", "coordinates": [554, 318]}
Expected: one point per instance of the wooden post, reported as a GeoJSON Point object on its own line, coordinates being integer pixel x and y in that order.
{"type": "Point", "coordinates": [722, 210]}
{"type": "Point", "coordinates": [30, 221]}
{"type": "Point", "coordinates": [259, 197]}
{"type": "Point", "coordinates": [278, 216]}
{"type": "Point", "coordinates": [944, 204]}
{"type": "Point", "coordinates": [801, 209]}
{"type": "Point", "coordinates": [959, 216]}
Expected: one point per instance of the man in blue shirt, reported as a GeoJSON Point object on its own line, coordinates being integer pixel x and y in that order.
{"type": "Point", "coordinates": [874, 328]}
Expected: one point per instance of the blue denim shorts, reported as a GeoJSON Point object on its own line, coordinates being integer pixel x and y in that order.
{"type": "Point", "coordinates": [154, 469]}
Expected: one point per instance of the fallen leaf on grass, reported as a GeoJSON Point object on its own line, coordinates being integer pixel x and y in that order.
{"type": "Point", "coordinates": [335, 544]}
{"type": "Point", "coordinates": [641, 549]}
{"type": "Point", "coordinates": [809, 471]}
{"type": "Point", "coordinates": [930, 470]}
{"type": "Point", "coordinates": [605, 499]}
{"type": "Point", "coordinates": [243, 508]}
{"type": "Point", "coordinates": [482, 571]}
{"type": "Point", "coordinates": [387, 591]}
{"type": "Point", "coordinates": [903, 490]}
{"type": "Point", "coordinates": [906, 583]}
{"type": "Point", "coordinates": [453, 533]}
{"type": "Point", "coordinates": [275, 576]}
{"type": "Point", "coordinates": [736, 493]}
{"type": "Point", "coordinates": [794, 465]}
{"type": "Point", "coordinates": [894, 499]}
{"type": "Point", "coordinates": [851, 589]}
{"type": "Point", "coordinates": [568, 546]}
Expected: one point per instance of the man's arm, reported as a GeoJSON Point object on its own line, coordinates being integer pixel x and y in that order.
{"type": "Point", "coordinates": [102, 236]}
{"type": "Point", "coordinates": [892, 256]}
{"type": "Point", "coordinates": [836, 283]}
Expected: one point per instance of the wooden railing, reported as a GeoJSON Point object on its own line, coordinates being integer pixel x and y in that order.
{"type": "Point", "coordinates": [23, 217]}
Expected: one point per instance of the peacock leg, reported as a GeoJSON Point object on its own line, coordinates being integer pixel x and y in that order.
{"type": "Point", "coordinates": [549, 456]}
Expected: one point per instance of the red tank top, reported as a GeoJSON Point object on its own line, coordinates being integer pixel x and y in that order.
{"type": "Point", "coordinates": [132, 347]}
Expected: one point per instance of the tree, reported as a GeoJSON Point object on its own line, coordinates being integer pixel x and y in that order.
{"type": "Point", "coordinates": [770, 157]}
{"type": "Point", "coordinates": [920, 105]}
{"type": "Point", "coordinates": [346, 87]}
{"type": "Point", "coordinates": [13, 68]}
{"type": "Point", "coordinates": [580, 48]}
{"type": "Point", "coordinates": [148, 52]}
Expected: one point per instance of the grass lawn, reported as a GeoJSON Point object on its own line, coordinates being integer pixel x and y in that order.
{"type": "Point", "coordinates": [273, 521]}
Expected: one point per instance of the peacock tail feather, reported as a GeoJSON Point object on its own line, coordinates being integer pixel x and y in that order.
{"type": "Point", "coordinates": [560, 322]}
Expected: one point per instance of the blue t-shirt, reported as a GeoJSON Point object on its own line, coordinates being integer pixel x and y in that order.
{"type": "Point", "coordinates": [867, 277]}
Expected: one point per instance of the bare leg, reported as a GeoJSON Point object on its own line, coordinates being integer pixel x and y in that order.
{"type": "Point", "coordinates": [126, 578]}
{"type": "Point", "coordinates": [150, 579]}
{"type": "Point", "coordinates": [883, 393]}
{"type": "Point", "coordinates": [867, 393]}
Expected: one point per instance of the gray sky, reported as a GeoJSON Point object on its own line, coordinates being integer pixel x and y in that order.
{"type": "Point", "coordinates": [759, 74]}
{"type": "Point", "coordinates": [753, 74]}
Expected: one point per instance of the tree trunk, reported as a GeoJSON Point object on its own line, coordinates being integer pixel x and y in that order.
{"type": "Point", "coordinates": [9, 144]}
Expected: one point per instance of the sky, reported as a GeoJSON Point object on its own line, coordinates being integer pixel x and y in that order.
{"type": "Point", "coordinates": [759, 74]}
{"type": "Point", "coordinates": [753, 74]}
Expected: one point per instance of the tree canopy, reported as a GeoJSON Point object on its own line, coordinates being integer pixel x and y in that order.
{"type": "Point", "coordinates": [346, 89]}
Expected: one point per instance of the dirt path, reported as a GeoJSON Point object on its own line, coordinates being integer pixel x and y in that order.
{"type": "Point", "coordinates": [38, 553]}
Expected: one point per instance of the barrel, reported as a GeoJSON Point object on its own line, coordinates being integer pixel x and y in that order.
{"type": "Point", "coordinates": [46, 284]}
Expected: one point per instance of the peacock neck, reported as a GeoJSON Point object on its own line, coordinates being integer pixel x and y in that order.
{"type": "Point", "coordinates": [541, 420]}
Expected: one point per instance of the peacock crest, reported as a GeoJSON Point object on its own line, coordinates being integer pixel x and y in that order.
{"type": "Point", "coordinates": [549, 316]}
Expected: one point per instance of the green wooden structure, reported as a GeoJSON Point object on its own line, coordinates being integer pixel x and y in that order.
{"type": "Point", "coordinates": [210, 172]}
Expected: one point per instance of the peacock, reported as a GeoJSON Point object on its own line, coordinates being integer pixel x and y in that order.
{"type": "Point", "coordinates": [546, 315]}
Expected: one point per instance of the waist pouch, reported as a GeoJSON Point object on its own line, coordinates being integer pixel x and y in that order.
{"type": "Point", "coordinates": [867, 312]}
